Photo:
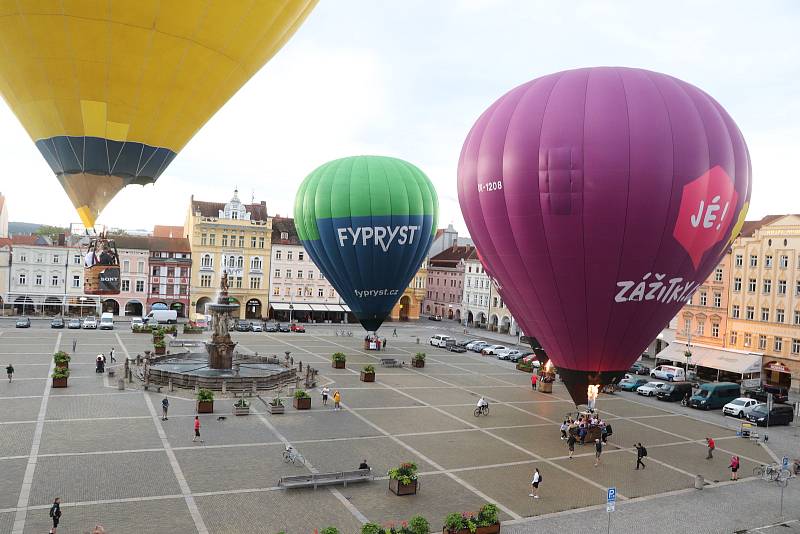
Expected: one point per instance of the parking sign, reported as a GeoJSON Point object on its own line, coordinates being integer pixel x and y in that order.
{"type": "Point", "coordinates": [611, 500]}
{"type": "Point", "coordinates": [785, 462]}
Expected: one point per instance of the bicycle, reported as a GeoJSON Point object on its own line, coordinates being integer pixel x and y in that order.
{"type": "Point", "coordinates": [481, 410]}
{"type": "Point", "coordinates": [292, 456]}
{"type": "Point", "coordinates": [771, 472]}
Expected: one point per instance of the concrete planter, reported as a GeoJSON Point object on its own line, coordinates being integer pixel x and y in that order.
{"type": "Point", "coordinates": [367, 377]}
{"type": "Point", "coordinates": [403, 489]}
{"type": "Point", "coordinates": [205, 406]}
{"type": "Point", "coordinates": [276, 409]}
{"type": "Point", "coordinates": [419, 364]}
{"type": "Point", "coordinates": [59, 382]}
{"type": "Point", "coordinates": [338, 365]}
{"type": "Point", "coordinates": [302, 404]}
{"type": "Point", "coordinates": [239, 410]}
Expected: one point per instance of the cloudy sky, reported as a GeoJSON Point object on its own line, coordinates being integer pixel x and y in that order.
{"type": "Point", "coordinates": [409, 78]}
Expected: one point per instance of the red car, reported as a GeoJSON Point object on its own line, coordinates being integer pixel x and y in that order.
{"type": "Point", "coordinates": [298, 328]}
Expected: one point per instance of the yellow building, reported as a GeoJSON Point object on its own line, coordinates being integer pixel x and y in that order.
{"type": "Point", "coordinates": [409, 306]}
{"type": "Point", "coordinates": [234, 238]}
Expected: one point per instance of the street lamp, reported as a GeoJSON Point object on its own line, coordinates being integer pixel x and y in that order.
{"type": "Point", "coordinates": [291, 307]}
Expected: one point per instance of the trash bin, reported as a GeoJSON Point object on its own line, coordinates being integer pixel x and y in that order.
{"type": "Point", "coordinates": [699, 482]}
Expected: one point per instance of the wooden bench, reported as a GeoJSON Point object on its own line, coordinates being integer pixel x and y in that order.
{"type": "Point", "coordinates": [325, 479]}
{"type": "Point", "coordinates": [389, 362]}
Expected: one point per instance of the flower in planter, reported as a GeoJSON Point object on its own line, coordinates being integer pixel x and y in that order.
{"type": "Point", "coordinates": [60, 372]}
{"type": "Point", "coordinates": [487, 516]}
{"type": "Point", "coordinates": [405, 473]}
{"type": "Point", "coordinates": [159, 344]}
{"type": "Point", "coordinates": [205, 395]}
{"type": "Point", "coordinates": [371, 528]}
{"type": "Point", "coordinates": [276, 401]}
{"type": "Point", "coordinates": [338, 357]}
{"type": "Point", "coordinates": [301, 394]}
{"type": "Point", "coordinates": [368, 369]}
{"type": "Point", "coordinates": [61, 357]}
{"type": "Point", "coordinates": [242, 403]}
{"type": "Point", "coordinates": [419, 357]}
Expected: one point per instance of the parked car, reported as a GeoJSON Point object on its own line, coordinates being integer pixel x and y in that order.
{"type": "Point", "coordinates": [271, 327]}
{"type": "Point", "coordinates": [439, 340]}
{"type": "Point", "coordinates": [465, 342]}
{"type": "Point", "coordinates": [669, 373]}
{"type": "Point", "coordinates": [631, 383]}
{"type": "Point", "coordinates": [476, 346]}
{"type": "Point", "coordinates": [57, 322]}
{"type": "Point", "coordinates": [136, 322]}
{"type": "Point", "coordinates": [434, 317]}
{"type": "Point", "coordinates": [491, 350]}
{"type": "Point", "coordinates": [674, 391]}
{"type": "Point", "coordinates": [517, 357]}
{"type": "Point", "coordinates": [452, 346]}
{"type": "Point", "coordinates": [283, 328]}
{"type": "Point", "coordinates": [781, 414]}
{"type": "Point", "coordinates": [74, 324]}
{"type": "Point", "coordinates": [161, 317]}
{"type": "Point", "coordinates": [242, 326]}
{"type": "Point", "coordinates": [107, 321]}
{"type": "Point", "coordinates": [255, 326]}
{"type": "Point", "coordinates": [23, 322]}
{"type": "Point", "coordinates": [779, 394]}
{"type": "Point", "coordinates": [650, 389]}
{"type": "Point", "coordinates": [506, 354]}
{"type": "Point", "coordinates": [739, 407]}
{"type": "Point", "coordinates": [639, 368]}
{"type": "Point", "coordinates": [297, 327]}
{"type": "Point", "coordinates": [715, 395]}
{"type": "Point", "coordinates": [90, 323]}
{"type": "Point", "coordinates": [202, 323]}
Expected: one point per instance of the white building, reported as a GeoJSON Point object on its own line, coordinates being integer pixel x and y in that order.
{"type": "Point", "coordinates": [447, 238]}
{"type": "Point", "coordinates": [477, 288]}
{"type": "Point", "coordinates": [297, 287]}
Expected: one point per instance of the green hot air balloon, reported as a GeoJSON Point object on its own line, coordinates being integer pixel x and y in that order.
{"type": "Point", "coordinates": [367, 222]}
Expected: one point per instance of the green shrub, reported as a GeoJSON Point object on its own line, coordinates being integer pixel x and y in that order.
{"type": "Point", "coordinates": [276, 401]}
{"type": "Point", "coordinates": [454, 522]}
{"type": "Point", "coordinates": [242, 403]}
{"type": "Point", "coordinates": [301, 394]}
{"type": "Point", "coordinates": [329, 530]}
{"type": "Point", "coordinates": [405, 473]}
{"type": "Point", "coordinates": [369, 369]}
{"type": "Point", "coordinates": [159, 343]}
{"type": "Point", "coordinates": [488, 515]}
{"type": "Point", "coordinates": [205, 395]}
{"type": "Point", "coordinates": [419, 357]}
{"type": "Point", "coordinates": [339, 357]}
{"type": "Point", "coordinates": [372, 528]}
{"type": "Point", "coordinates": [419, 525]}
{"type": "Point", "coordinates": [60, 372]}
{"type": "Point", "coordinates": [61, 357]}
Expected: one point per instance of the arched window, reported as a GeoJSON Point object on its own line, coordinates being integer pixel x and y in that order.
{"type": "Point", "coordinates": [232, 261]}
{"type": "Point", "coordinates": [239, 262]}
{"type": "Point", "coordinates": [255, 263]}
{"type": "Point", "coordinates": [206, 261]}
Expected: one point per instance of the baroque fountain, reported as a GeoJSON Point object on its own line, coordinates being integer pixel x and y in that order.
{"type": "Point", "coordinates": [216, 364]}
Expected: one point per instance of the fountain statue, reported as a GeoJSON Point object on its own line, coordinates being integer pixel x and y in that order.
{"type": "Point", "coordinates": [220, 348]}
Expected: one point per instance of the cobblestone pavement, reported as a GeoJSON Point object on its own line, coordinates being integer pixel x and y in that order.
{"type": "Point", "coordinates": [111, 459]}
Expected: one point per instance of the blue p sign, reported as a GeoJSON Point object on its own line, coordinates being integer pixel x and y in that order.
{"type": "Point", "coordinates": [612, 494]}
{"type": "Point", "coordinates": [785, 462]}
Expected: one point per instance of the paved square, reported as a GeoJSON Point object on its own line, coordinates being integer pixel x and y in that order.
{"type": "Point", "coordinates": [111, 459]}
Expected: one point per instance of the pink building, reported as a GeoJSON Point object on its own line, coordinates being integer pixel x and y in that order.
{"type": "Point", "coordinates": [134, 252]}
{"type": "Point", "coordinates": [446, 282]}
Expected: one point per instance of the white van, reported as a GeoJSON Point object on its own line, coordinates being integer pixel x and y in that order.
{"type": "Point", "coordinates": [439, 340]}
{"type": "Point", "coordinates": [107, 321]}
{"type": "Point", "coordinates": [669, 372]}
{"type": "Point", "coordinates": [161, 317]}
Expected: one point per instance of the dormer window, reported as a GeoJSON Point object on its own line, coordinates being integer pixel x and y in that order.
{"type": "Point", "coordinates": [284, 235]}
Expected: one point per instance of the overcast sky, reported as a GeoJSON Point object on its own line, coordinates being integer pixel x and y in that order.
{"type": "Point", "coordinates": [408, 79]}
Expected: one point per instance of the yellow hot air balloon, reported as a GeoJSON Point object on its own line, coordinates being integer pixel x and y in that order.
{"type": "Point", "coordinates": [111, 90]}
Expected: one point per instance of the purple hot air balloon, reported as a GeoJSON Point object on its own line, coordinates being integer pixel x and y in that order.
{"type": "Point", "coordinates": [600, 199]}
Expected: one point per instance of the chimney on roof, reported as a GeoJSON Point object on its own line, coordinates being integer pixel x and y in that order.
{"type": "Point", "coordinates": [62, 239]}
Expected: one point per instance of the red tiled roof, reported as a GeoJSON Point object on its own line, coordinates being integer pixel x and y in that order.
{"type": "Point", "coordinates": [5, 242]}
{"type": "Point", "coordinates": [27, 240]}
{"type": "Point", "coordinates": [162, 244]}
{"type": "Point", "coordinates": [453, 255]}
{"type": "Point", "coordinates": [167, 231]}
{"type": "Point", "coordinates": [284, 225]}
{"type": "Point", "coordinates": [258, 212]}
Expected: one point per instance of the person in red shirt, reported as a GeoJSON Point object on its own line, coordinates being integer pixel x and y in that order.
{"type": "Point", "coordinates": [734, 467]}
{"type": "Point", "coordinates": [534, 378]}
{"type": "Point", "coordinates": [197, 429]}
{"type": "Point", "coordinates": [710, 444]}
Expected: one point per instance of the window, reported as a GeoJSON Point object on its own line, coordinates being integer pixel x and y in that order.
{"type": "Point", "coordinates": [155, 270]}
{"type": "Point", "coordinates": [750, 313]}
{"type": "Point", "coordinates": [241, 241]}
{"type": "Point", "coordinates": [238, 281]}
{"type": "Point", "coordinates": [56, 258]}
{"type": "Point", "coordinates": [234, 215]}
{"type": "Point", "coordinates": [299, 273]}
{"type": "Point", "coordinates": [224, 240]}
{"type": "Point", "coordinates": [701, 328]}
{"type": "Point", "coordinates": [735, 311]}
{"type": "Point", "coordinates": [734, 337]}
{"type": "Point", "coordinates": [737, 284]}
{"type": "Point", "coordinates": [253, 241]}
{"type": "Point", "coordinates": [76, 259]}
{"type": "Point", "coordinates": [125, 285]}
{"type": "Point", "coordinates": [239, 262]}
{"type": "Point", "coordinates": [289, 254]}
{"type": "Point", "coordinates": [762, 342]}
{"type": "Point", "coordinates": [255, 282]}
{"type": "Point", "coordinates": [714, 329]}
{"type": "Point", "coordinates": [255, 263]}
{"type": "Point", "coordinates": [288, 273]}
{"type": "Point", "coordinates": [310, 275]}
{"type": "Point", "coordinates": [797, 318]}
{"type": "Point", "coordinates": [765, 314]}
{"type": "Point", "coordinates": [299, 292]}
{"type": "Point", "coordinates": [784, 262]}
{"type": "Point", "coordinates": [260, 242]}
{"type": "Point", "coordinates": [300, 255]}
{"type": "Point", "coordinates": [738, 261]}
{"type": "Point", "coordinates": [54, 280]}
{"type": "Point", "coordinates": [126, 266]}
{"type": "Point", "coordinates": [767, 287]}
{"type": "Point", "coordinates": [703, 298]}
{"type": "Point", "coordinates": [753, 260]}
{"type": "Point", "coordinates": [276, 292]}
{"type": "Point", "coordinates": [204, 239]}
{"type": "Point", "coordinates": [277, 273]}
{"type": "Point", "coordinates": [331, 293]}
{"type": "Point", "coordinates": [718, 274]}
{"type": "Point", "coordinates": [768, 261]}
{"type": "Point", "coordinates": [23, 258]}
{"type": "Point", "coordinates": [322, 276]}
{"type": "Point", "coordinates": [38, 280]}
{"type": "Point", "coordinates": [205, 280]}
{"type": "Point", "coordinates": [751, 285]}
{"type": "Point", "coordinates": [287, 291]}
{"type": "Point", "coordinates": [140, 285]}
{"type": "Point", "coordinates": [778, 344]}
{"type": "Point", "coordinates": [308, 292]}
{"type": "Point", "coordinates": [797, 288]}
{"type": "Point", "coordinates": [140, 267]}
{"type": "Point", "coordinates": [284, 235]}
{"type": "Point", "coordinates": [795, 346]}
{"type": "Point", "coordinates": [212, 239]}
{"type": "Point", "coordinates": [781, 287]}
{"type": "Point", "coordinates": [76, 280]}
{"type": "Point", "coordinates": [206, 261]}
{"type": "Point", "coordinates": [320, 292]}
{"type": "Point", "coordinates": [277, 254]}
{"type": "Point", "coordinates": [717, 300]}
{"type": "Point", "coordinates": [779, 315]}
{"type": "Point", "coordinates": [39, 258]}
{"type": "Point", "coordinates": [748, 339]}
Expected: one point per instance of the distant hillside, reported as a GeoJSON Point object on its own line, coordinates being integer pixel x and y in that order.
{"type": "Point", "coordinates": [22, 228]}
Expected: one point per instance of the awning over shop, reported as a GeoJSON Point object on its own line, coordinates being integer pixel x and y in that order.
{"type": "Point", "coordinates": [733, 361]}
{"type": "Point", "coordinates": [280, 306]}
{"type": "Point", "coordinates": [302, 307]}
{"type": "Point", "coordinates": [346, 308]}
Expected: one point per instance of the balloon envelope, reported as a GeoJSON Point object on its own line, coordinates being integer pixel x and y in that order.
{"type": "Point", "coordinates": [112, 91]}
{"type": "Point", "coordinates": [600, 199]}
{"type": "Point", "coordinates": [367, 222]}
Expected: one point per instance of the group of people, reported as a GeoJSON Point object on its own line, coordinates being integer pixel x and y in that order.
{"type": "Point", "coordinates": [380, 344]}
{"type": "Point", "coordinates": [100, 361]}
{"type": "Point", "coordinates": [337, 397]}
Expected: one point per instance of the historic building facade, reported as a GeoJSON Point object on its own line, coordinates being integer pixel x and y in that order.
{"type": "Point", "coordinates": [235, 238]}
{"type": "Point", "coordinates": [500, 318]}
{"type": "Point", "coordinates": [704, 318]}
{"type": "Point", "coordinates": [445, 282]}
{"type": "Point", "coordinates": [409, 306]}
{"type": "Point", "coordinates": [133, 266]}
{"type": "Point", "coordinates": [170, 271]}
{"type": "Point", "coordinates": [477, 289]}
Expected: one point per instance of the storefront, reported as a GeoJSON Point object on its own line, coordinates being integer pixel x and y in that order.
{"type": "Point", "coordinates": [714, 364]}
{"type": "Point", "coordinates": [777, 374]}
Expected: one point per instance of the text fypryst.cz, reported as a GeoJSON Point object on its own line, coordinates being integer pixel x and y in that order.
{"type": "Point", "coordinates": [361, 293]}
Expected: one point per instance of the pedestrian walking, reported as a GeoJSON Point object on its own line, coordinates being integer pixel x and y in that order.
{"type": "Point", "coordinates": [111, 355]}
{"type": "Point", "coordinates": [337, 398]}
{"type": "Point", "coordinates": [535, 481]}
{"type": "Point", "coordinates": [533, 381]}
{"type": "Point", "coordinates": [598, 450]}
{"type": "Point", "coordinates": [164, 408]}
{"type": "Point", "coordinates": [197, 429]}
{"type": "Point", "coordinates": [384, 343]}
{"type": "Point", "coordinates": [325, 392]}
{"type": "Point", "coordinates": [10, 372]}
{"type": "Point", "coordinates": [74, 345]}
{"type": "Point", "coordinates": [710, 444]}
{"type": "Point", "coordinates": [55, 514]}
{"type": "Point", "coordinates": [564, 427]}
{"type": "Point", "coordinates": [394, 332]}
{"type": "Point", "coordinates": [641, 452]}
{"type": "Point", "coordinates": [571, 444]}
{"type": "Point", "coordinates": [734, 465]}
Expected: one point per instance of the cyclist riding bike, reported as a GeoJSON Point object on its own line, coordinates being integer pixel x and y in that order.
{"type": "Point", "coordinates": [482, 407]}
